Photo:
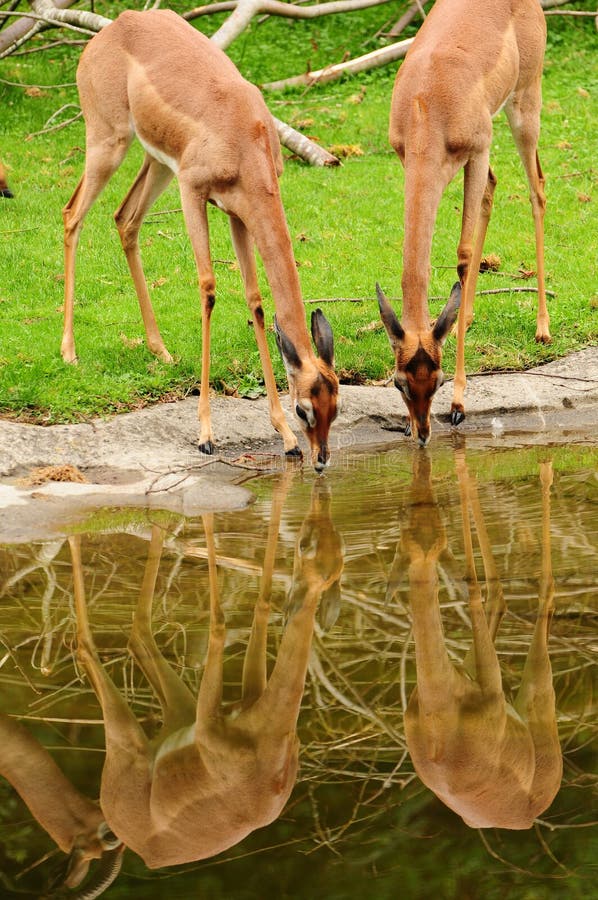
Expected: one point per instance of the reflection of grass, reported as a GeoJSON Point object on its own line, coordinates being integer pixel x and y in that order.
{"type": "Point", "coordinates": [346, 227]}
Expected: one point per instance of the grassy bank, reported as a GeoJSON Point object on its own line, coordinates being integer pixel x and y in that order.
{"type": "Point", "coordinates": [346, 226]}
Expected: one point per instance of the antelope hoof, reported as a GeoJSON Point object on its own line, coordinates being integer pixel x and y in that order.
{"type": "Point", "coordinates": [543, 338]}
{"type": "Point", "coordinates": [408, 429]}
{"type": "Point", "coordinates": [293, 453]}
{"type": "Point", "coordinates": [162, 354]}
{"type": "Point", "coordinates": [457, 415]}
{"type": "Point", "coordinates": [207, 447]}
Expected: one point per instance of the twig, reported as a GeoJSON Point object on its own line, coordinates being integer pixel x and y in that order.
{"type": "Point", "coordinates": [512, 290]}
{"type": "Point", "coordinates": [60, 125]}
{"type": "Point", "coordinates": [339, 300]}
{"type": "Point", "coordinates": [507, 290]}
{"type": "Point", "coordinates": [42, 87]}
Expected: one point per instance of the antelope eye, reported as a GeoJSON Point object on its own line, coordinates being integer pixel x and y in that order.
{"type": "Point", "coordinates": [399, 386]}
{"type": "Point", "coordinates": [109, 840]}
{"type": "Point", "coordinates": [301, 413]}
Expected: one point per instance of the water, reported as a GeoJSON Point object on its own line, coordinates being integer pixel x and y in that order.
{"type": "Point", "coordinates": [338, 777]}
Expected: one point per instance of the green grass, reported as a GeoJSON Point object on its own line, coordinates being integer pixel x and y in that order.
{"type": "Point", "coordinates": [346, 226]}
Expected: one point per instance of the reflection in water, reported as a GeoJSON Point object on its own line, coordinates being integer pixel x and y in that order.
{"type": "Point", "coordinates": [212, 774]}
{"type": "Point", "coordinates": [71, 819]}
{"type": "Point", "coordinates": [495, 764]}
{"type": "Point", "coordinates": [358, 807]}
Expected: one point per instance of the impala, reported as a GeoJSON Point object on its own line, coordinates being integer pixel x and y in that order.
{"type": "Point", "coordinates": [213, 773]}
{"type": "Point", "coordinates": [496, 764]}
{"type": "Point", "coordinates": [75, 823]}
{"type": "Point", "coordinates": [468, 61]}
{"type": "Point", "coordinates": [199, 119]}
{"type": "Point", "coordinates": [5, 191]}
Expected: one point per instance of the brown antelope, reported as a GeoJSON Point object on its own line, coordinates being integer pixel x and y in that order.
{"type": "Point", "coordinates": [211, 775]}
{"type": "Point", "coordinates": [466, 63]}
{"type": "Point", "coordinates": [73, 821]}
{"type": "Point", "coordinates": [495, 764]}
{"type": "Point", "coordinates": [5, 191]}
{"type": "Point", "coordinates": [198, 118]}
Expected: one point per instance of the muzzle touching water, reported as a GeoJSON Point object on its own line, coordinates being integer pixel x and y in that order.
{"type": "Point", "coordinates": [321, 457]}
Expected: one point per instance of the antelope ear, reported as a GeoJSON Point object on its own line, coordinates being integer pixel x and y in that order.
{"type": "Point", "coordinates": [77, 868]}
{"type": "Point", "coordinates": [290, 357]}
{"type": "Point", "coordinates": [323, 337]}
{"type": "Point", "coordinates": [446, 319]}
{"type": "Point", "coordinates": [394, 329]}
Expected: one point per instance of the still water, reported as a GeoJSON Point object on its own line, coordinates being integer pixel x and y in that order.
{"type": "Point", "coordinates": [381, 681]}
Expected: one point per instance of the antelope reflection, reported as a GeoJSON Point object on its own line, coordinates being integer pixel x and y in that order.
{"type": "Point", "coordinates": [493, 763]}
{"type": "Point", "coordinates": [213, 774]}
{"type": "Point", "coordinates": [73, 821]}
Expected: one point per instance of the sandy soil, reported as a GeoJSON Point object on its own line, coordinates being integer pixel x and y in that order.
{"type": "Point", "coordinates": [150, 457]}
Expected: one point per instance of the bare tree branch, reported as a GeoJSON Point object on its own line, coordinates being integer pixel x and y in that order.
{"type": "Point", "coordinates": [24, 28]}
{"type": "Point", "coordinates": [77, 18]}
{"type": "Point", "coordinates": [406, 19]}
{"type": "Point", "coordinates": [304, 147]}
{"type": "Point", "coordinates": [46, 13]}
{"type": "Point", "coordinates": [570, 12]}
{"type": "Point", "coordinates": [376, 58]}
{"type": "Point", "coordinates": [246, 10]}
{"type": "Point", "coordinates": [548, 4]}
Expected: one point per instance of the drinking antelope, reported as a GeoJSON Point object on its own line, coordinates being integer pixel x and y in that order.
{"type": "Point", "coordinates": [467, 62]}
{"type": "Point", "coordinates": [5, 191]}
{"type": "Point", "coordinates": [197, 118]}
{"type": "Point", "coordinates": [495, 764]}
{"type": "Point", "coordinates": [211, 775]}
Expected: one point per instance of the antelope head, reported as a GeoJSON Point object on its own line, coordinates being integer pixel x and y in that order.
{"type": "Point", "coordinates": [102, 844]}
{"type": "Point", "coordinates": [313, 386]}
{"type": "Point", "coordinates": [418, 356]}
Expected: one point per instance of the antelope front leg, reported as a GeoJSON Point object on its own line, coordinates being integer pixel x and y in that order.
{"type": "Point", "coordinates": [121, 728]}
{"type": "Point", "coordinates": [478, 192]}
{"type": "Point", "coordinates": [176, 700]}
{"type": "Point", "coordinates": [209, 697]}
{"type": "Point", "coordinates": [196, 220]}
{"type": "Point", "coordinates": [243, 244]}
{"type": "Point", "coordinates": [536, 701]}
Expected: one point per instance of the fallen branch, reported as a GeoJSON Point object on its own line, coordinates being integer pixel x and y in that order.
{"type": "Point", "coordinates": [24, 28]}
{"type": "Point", "coordinates": [513, 290]}
{"type": "Point", "coordinates": [507, 290]}
{"type": "Point", "coordinates": [547, 4]}
{"type": "Point", "coordinates": [245, 10]}
{"type": "Point", "coordinates": [341, 300]}
{"type": "Point", "coordinates": [49, 127]}
{"type": "Point", "coordinates": [46, 13]}
{"type": "Point", "coordinates": [380, 57]}
{"type": "Point", "coordinates": [302, 146]}
{"type": "Point", "coordinates": [569, 12]}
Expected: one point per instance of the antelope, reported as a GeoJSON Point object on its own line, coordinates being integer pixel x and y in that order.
{"type": "Point", "coordinates": [495, 764]}
{"type": "Point", "coordinates": [211, 775]}
{"type": "Point", "coordinates": [199, 119]}
{"type": "Point", "coordinates": [73, 821]}
{"type": "Point", "coordinates": [5, 191]}
{"type": "Point", "coordinates": [467, 62]}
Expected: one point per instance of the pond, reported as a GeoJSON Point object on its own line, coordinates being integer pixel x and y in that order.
{"type": "Point", "coordinates": [380, 680]}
